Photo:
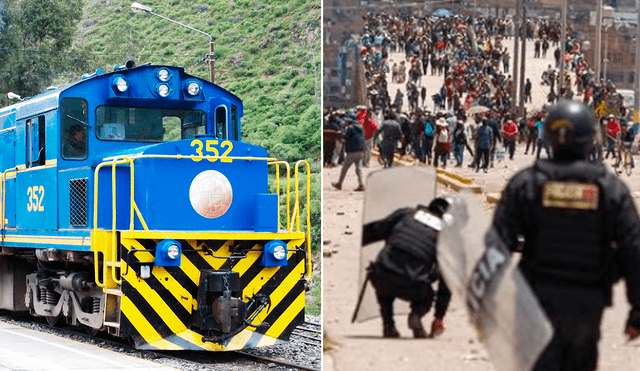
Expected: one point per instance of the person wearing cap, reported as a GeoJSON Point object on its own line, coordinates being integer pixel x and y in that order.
{"type": "Point", "coordinates": [578, 231]}
{"type": "Point", "coordinates": [510, 134]}
{"type": "Point", "coordinates": [442, 146]}
{"type": "Point", "coordinates": [612, 130]}
{"type": "Point", "coordinates": [627, 135]}
{"type": "Point", "coordinates": [354, 148]}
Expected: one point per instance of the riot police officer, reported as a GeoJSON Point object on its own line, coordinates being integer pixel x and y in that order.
{"type": "Point", "coordinates": [406, 267]}
{"type": "Point", "coordinates": [581, 232]}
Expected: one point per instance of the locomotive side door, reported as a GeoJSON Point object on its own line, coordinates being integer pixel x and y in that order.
{"type": "Point", "coordinates": [219, 119]}
{"type": "Point", "coordinates": [7, 165]}
{"type": "Point", "coordinates": [36, 185]}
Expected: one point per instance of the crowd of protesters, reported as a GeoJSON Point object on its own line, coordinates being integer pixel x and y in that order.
{"type": "Point", "coordinates": [472, 109]}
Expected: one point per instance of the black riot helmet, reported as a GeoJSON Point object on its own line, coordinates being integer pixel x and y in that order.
{"type": "Point", "coordinates": [438, 206]}
{"type": "Point", "coordinates": [569, 128]}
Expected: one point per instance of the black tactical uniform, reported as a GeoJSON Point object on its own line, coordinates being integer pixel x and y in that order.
{"type": "Point", "coordinates": [581, 232]}
{"type": "Point", "coordinates": [406, 267]}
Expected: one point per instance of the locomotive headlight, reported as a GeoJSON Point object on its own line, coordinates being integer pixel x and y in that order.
{"type": "Point", "coordinates": [119, 84]}
{"type": "Point", "coordinates": [274, 254]}
{"type": "Point", "coordinates": [163, 74]}
{"type": "Point", "coordinates": [163, 90]}
{"type": "Point", "coordinates": [193, 88]}
{"type": "Point", "coordinates": [168, 253]}
{"type": "Point", "coordinates": [122, 84]}
{"type": "Point", "coordinates": [173, 251]}
{"type": "Point", "coordinates": [279, 252]}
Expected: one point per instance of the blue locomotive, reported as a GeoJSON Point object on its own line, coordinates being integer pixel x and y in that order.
{"type": "Point", "coordinates": [130, 205]}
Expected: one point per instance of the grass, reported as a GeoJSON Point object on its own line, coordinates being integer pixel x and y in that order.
{"type": "Point", "coordinates": [313, 306]}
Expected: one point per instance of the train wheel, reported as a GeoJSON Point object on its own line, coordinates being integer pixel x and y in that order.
{"type": "Point", "coordinates": [90, 330]}
{"type": "Point", "coordinates": [52, 321]}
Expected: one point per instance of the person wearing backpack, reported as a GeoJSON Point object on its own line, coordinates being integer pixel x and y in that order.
{"type": "Point", "coordinates": [429, 132]}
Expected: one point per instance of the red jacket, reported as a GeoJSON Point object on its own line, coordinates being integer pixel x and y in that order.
{"type": "Point", "coordinates": [509, 129]}
{"type": "Point", "coordinates": [613, 128]}
{"type": "Point", "coordinates": [368, 124]}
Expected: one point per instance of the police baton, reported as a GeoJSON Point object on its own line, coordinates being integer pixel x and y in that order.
{"type": "Point", "coordinates": [361, 296]}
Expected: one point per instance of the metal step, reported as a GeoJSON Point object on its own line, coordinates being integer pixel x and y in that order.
{"type": "Point", "coordinates": [111, 324]}
{"type": "Point", "coordinates": [116, 292]}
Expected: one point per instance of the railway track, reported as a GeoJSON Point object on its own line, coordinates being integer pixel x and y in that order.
{"type": "Point", "coordinates": [308, 335]}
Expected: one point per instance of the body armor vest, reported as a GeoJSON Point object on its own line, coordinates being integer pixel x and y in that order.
{"type": "Point", "coordinates": [416, 235]}
{"type": "Point", "coordinates": [569, 244]}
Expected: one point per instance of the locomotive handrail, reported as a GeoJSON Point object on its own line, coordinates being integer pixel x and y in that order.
{"type": "Point", "coordinates": [297, 209]}
{"type": "Point", "coordinates": [114, 242]}
{"type": "Point", "coordinates": [133, 208]}
{"type": "Point", "coordinates": [277, 163]}
{"type": "Point", "coordinates": [3, 189]}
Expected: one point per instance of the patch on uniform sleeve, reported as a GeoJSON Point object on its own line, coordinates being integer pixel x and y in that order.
{"type": "Point", "coordinates": [428, 219]}
{"type": "Point", "coordinates": [582, 196]}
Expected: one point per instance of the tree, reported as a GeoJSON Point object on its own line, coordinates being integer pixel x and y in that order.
{"type": "Point", "coordinates": [3, 22]}
{"type": "Point", "coordinates": [35, 38]}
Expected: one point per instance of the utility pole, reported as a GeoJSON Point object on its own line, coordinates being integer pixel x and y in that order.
{"type": "Point", "coordinates": [636, 93]}
{"type": "Point", "coordinates": [597, 55]}
{"type": "Point", "coordinates": [211, 60]}
{"type": "Point", "coordinates": [605, 60]}
{"type": "Point", "coordinates": [563, 43]}
{"type": "Point", "coordinates": [516, 38]}
{"type": "Point", "coordinates": [523, 58]}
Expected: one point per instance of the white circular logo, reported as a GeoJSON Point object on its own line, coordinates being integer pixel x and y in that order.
{"type": "Point", "coordinates": [210, 194]}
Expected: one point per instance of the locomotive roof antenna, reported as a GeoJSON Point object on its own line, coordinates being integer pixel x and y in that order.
{"type": "Point", "coordinates": [136, 7]}
{"type": "Point", "coordinates": [12, 95]}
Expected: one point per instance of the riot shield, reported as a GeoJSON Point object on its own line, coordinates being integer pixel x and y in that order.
{"type": "Point", "coordinates": [388, 190]}
{"type": "Point", "coordinates": [476, 263]}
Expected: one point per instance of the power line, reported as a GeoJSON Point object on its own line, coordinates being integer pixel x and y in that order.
{"type": "Point", "coordinates": [100, 54]}
{"type": "Point", "coordinates": [195, 66]}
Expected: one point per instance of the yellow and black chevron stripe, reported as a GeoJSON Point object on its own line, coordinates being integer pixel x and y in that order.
{"type": "Point", "coordinates": [158, 312]}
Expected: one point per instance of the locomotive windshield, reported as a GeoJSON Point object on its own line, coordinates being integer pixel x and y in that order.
{"type": "Point", "coordinates": [152, 125]}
